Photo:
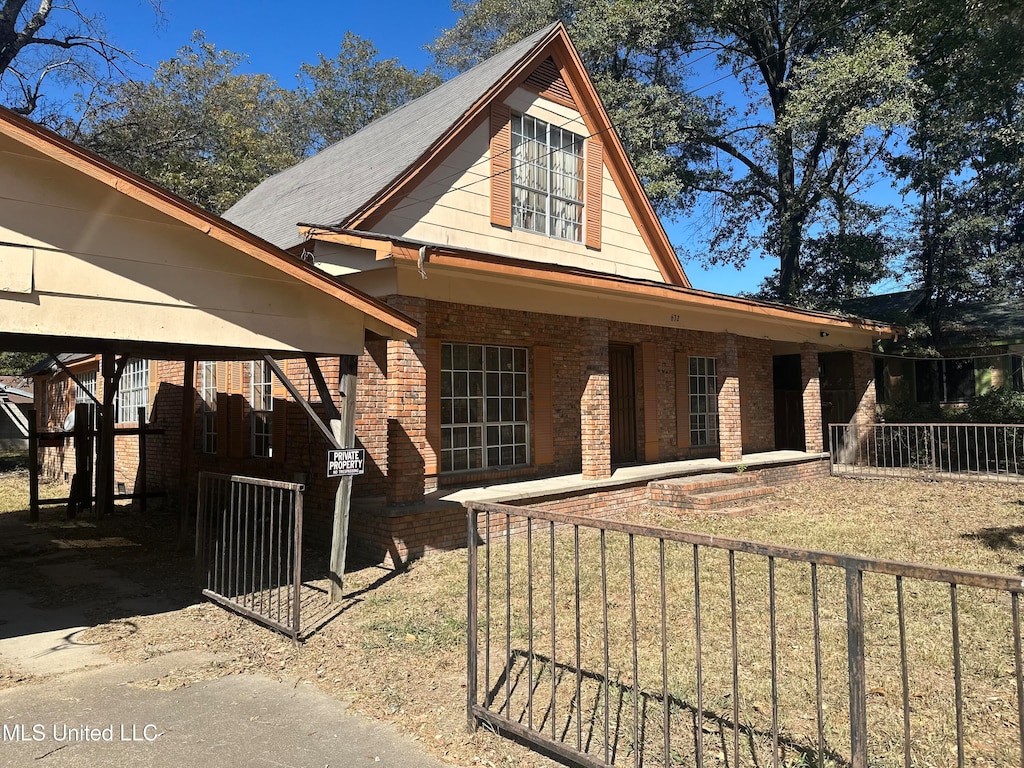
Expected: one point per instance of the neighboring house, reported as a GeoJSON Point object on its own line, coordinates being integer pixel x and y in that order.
{"type": "Point", "coordinates": [981, 349]}
{"type": "Point", "coordinates": [558, 333]}
{"type": "Point", "coordinates": [15, 401]}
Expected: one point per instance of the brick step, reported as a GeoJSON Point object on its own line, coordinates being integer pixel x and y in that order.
{"type": "Point", "coordinates": [702, 483]}
{"type": "Point", "coordinates": [720, 500]}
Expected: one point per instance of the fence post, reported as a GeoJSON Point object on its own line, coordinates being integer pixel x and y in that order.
{"type": "Point", "coordinates": [33, 466]}
{"type": "Point", "coordinates": [471, 619]}
{"type": "Point", "coordinates": [855, 653]}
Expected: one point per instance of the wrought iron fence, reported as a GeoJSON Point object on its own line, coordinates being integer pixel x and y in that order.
{"type": "Point", "coordinates": [249, 547]}
{"type": "Point", "coordinates": [952, 451]}
{"type": "Point", "coordinates": [610, 643]}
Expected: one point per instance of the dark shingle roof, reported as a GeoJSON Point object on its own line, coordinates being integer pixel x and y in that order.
{"type": "Point", "coordinates": [47, 364]}
{"type": "Point", "coordinates": [889, 307]}
{"type": "Point", "coordinates": [330, 186]}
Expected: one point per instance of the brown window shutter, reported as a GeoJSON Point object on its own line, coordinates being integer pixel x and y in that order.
{"type": "Point", "coordinates": [236, 427]}
{"type": "Point", "coordinates": [277, 387]}
{"type": "Point", "coordinates": [432, 452]}
{"type": "Point", "coordinates": [501, 165]}
{"type": "Point", "coordinates": [279, 431]}
{"type": "Point", "coordinates": [649, 353]}
{"type": "Point", "coordinates": [593, 183]}
{"type": "Point", "coordinates": [543, 410]}
{"type": "Point", "coordinates": [682, 400]}
{"type": "Point", "coordinates": [222, 423]}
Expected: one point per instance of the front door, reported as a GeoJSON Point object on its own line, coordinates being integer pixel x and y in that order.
{"type": "Point", "coordinates": [622, 402]}
{"type": "Point", "coordinates": [789, 403]}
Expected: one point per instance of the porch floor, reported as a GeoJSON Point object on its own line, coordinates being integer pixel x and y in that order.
{"type": "Point", "coordinates": [632, 475]}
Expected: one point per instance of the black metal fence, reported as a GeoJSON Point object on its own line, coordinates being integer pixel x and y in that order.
{"type": "Point", "coordinates": [610, 643]}
{"type": "Point", "coordinates": [940, 450]}
{"type": "Point", "coordinates": [249, 547]}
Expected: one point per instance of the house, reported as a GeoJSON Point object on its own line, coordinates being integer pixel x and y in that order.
{"type": "Point", "coordinates": [981, 349]}
{"type": "Point", "coordinates": [557, 332]}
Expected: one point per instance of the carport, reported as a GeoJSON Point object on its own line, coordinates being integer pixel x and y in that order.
{"type": "Point", "coordinates": [97, 260]}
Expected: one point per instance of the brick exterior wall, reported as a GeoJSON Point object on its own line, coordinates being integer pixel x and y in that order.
{"type": "Point", "coordinates": [864, 387]}
{"type": "Point", "coordinates": [809, 375]}
{"type": "Point", "coordinates": [595, 411]}
{"type": "Point", "coordinates": [406, 411]}
{"type": "Point", "coordinates": [730, 419]}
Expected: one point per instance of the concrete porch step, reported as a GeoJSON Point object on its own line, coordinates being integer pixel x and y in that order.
{"type": "Point", "coordinates": [723, 493]}
{"type": "Point", "coordinates": [713, 481]}
{"type": "Point", "coordinates": [718, 500]}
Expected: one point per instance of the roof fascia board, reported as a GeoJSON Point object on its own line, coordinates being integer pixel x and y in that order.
{"type": "Point", "coordinates": [645, 291]}
{"type": "Point", "coordinates": [127, 183]}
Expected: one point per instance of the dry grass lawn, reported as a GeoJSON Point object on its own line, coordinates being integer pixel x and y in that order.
{"type": "Point", "coordinates": [397, 651]}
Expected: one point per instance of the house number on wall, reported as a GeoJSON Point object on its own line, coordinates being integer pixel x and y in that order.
{"type": "Point", "coordinates": [674, 318]}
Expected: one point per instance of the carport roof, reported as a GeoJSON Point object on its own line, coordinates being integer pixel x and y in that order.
{"type": "Point", "coordinates": [308, 289]}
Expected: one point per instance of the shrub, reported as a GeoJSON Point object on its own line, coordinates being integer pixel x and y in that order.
{"type": "Point", "coordinates": [997, 406]}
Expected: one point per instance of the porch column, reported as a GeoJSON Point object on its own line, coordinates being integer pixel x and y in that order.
{"type": "Point", "coordinates": [407, 411]}
{"type": "Point", "coordinates": [730, 427]}
{"type": "Point", "coordinates": [809, 379]}
{"type": "Point", "coordinates": [595, 408]}
{"type": "Point", "coordinates": [864, 387]}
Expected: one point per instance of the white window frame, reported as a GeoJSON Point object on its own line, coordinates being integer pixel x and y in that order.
{"type": "Point", "coordinates": [702, 379]}
{"type": "Point", "coordinates": [548, 175]}
{"type": "Point", "coordinates": [485, 394]}
{"type": "Point", "coordinates": [86, 385]}
{"type": "Point", "coordinates": [133, 391]}
{"type": "Point", "coordinates": [261, 414]}
{"type": "Point", "coordinates": [208, 406]}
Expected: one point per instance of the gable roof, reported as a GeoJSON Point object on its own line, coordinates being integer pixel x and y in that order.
{"type": "Point", "coordinates": [69, 154]}
{"type": "Point", "coordinates": [351, 183]}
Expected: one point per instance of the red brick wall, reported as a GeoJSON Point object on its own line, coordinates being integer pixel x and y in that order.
{"type": "Point", "coordinates": [809, 374]}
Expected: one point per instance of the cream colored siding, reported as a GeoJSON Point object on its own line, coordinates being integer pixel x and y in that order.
{"type": "Point", "coordinates": [122, 270]}
{"type": "Point", "coordinates": [452, 207]}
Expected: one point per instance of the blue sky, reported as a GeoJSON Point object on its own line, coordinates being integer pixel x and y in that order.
{"type": "Point", "coordinates": [277, 38]}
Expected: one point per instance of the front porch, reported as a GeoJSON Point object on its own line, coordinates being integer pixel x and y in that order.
{"type": "Point", "coordinates": [396, 535]}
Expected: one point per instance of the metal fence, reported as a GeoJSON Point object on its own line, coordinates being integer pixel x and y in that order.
{"type": "Point", "coordinates": [610, 643]}
{"type": "Point", "coordinates": [249, 547]}
{"type": "Point", "coordinates": [950, 451]}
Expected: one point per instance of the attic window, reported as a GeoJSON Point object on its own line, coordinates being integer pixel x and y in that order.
{"type": "Point", "coordinates": [547, 179]}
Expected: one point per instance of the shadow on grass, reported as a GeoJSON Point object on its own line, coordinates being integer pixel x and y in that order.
{"type": "Point", "coordinates": [609, 719]}
{"type": "Point", "coordinates": [13, 461]}
{"type": "Point", "coordinates": [1003, 537]}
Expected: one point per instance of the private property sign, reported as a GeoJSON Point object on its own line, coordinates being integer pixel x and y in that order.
{"type": "Point", "coordinates": [349, 461]}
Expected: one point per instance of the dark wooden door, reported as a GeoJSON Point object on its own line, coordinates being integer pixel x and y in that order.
{"type": "Point", "coordinates": [789, 403]}
{"type": "Point", "coordinates": [622, 402]}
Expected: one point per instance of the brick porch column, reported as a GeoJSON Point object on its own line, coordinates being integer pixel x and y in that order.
{"type": "Point", "coordinates": [407, 409]}
{"type": "Point", "coordinates": [809, 379]}
{"type": "Point", "coordinates": [864, 387]}
{"type": "Point", "coordinates": [595, 408]}
{"type": "Point", "coordinates": [730, 428]}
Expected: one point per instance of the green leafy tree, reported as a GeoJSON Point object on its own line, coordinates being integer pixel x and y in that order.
{"type": "Point", "coordinates": [343, 94]}
{"type": "Point", "coordinates": [199, 127]}
{"type": "Point", "coordinates": [824, 85]}
{"type": "Point", "coordinates": [16, 363]}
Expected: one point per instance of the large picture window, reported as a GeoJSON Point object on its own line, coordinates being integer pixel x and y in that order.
{"type": "Point", "coordinates": [133, 392]}
{"type": "Point", "coordinates": [484, 402]}
{"type": "Point", "coordinates": [703, 379]}
{"type": "Point", "coordinates": [547, 179]}
{"type": "Point", "coordinates": [261, 401]}
{"type": "Point", "coordinates": [955, 382]}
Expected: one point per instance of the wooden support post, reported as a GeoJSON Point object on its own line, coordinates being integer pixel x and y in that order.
{"type": "Point", "coordinates": [188, 409]}
{"type": "Point", "coordinates": [105, 443]}
{"type": "Point", "coordinates": [141, 486]}
{"type": "Point", "coordinates": [344, 429]}
{"type": "Point", "coordinates": [80, 489]}
{"type": "Point", "coordinates": [33, 466]}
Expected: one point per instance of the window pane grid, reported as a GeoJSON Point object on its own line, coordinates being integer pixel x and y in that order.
{"type": "Point", "coordinates": [133, 391]}
{"type": "Point", "coordinates": [484, 418]}
{"type": "Point", "coordinates": [208, 395]}
{"type": "Point", "coordinates": [703, 384]}
{"type": "Point", "coordinates": [88, 385]}
{"type": "Point", "coordinates": [547, 179]}
{"type": "Point", "coordinates": [261, 400]}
